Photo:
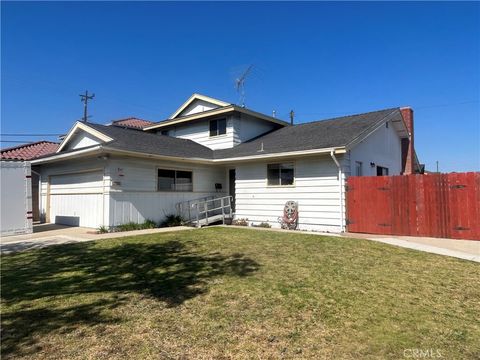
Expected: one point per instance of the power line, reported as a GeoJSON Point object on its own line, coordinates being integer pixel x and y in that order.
{"type": "Point", "coordinates": [18, 141]}
{"type": "Point", "coordinates": [31, 134]}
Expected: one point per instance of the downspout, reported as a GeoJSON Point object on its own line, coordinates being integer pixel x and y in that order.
{"type": "Point", "coordinates": [340, 184]}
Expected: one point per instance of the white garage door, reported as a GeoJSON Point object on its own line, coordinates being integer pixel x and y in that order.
{"type": "Point", "coordinates": [77, 199]}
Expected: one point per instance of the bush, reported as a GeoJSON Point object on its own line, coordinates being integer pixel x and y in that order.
{"type": "Point", "coordinates": [130, 226]}
{"type": "Point", "coordinates": [102, 229]}
{"type": "Point", "coordinates": [263, 225]}
{"type": "Point", "coordinates": [240, 222]}
{"type": "Point", "coordinates": [172, 220]}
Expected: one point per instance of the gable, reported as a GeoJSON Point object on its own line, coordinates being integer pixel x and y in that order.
{"type": "Point", "coordinates": [81, 136]}
{"type": "Point", "coordinates": [198, 103]}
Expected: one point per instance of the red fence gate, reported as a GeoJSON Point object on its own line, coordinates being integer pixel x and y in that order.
{"type": "Point", "coordinates": [438, 205]}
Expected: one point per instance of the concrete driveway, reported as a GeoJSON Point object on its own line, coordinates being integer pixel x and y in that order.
{"type": "Point", "coordinates": [53, 234]}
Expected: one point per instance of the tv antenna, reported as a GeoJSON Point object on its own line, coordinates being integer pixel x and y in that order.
{"type": "Point", "coordinates": [240, 85]}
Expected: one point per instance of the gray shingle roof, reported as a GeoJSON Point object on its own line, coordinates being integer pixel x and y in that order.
{"type": "Point", "coordinates": [321, 134]}
{"type": "Point", "coordinates": [337, 132]}
{"type": "Point", "coordinates": [134, 140]}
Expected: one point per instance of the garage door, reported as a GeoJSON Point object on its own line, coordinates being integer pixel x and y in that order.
{"type": "Point", "coordinates": [77, 199]}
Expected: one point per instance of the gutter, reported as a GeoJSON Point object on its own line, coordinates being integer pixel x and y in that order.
{"type": "Point", "coordinates": [340, 184]}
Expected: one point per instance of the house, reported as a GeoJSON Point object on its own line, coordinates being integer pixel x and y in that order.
{"type": "Point", "coordinates": [117, 173]}
{"type": "Point", "coordinates": [28, 152]}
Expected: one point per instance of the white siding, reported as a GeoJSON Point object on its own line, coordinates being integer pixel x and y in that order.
{"type": "Point", "coordinates": [383, 148]}
{"type": "Point", "coordinates": [82, 140]}
{"type": "Point", "coordinates": [196, 107]}
{"type": "Point", "coordinates": [247, 127]}
{"type": "Point", "coordinates": [199, 131]}
{"type": "Point", "coordinates": [316, 189]}
{"type": "Point", "coordinates": [134, 195]}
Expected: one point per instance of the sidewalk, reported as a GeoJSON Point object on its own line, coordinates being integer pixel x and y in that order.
{"type": "Point", "coordinates": [51, 234]}
{"type": "Point", "coordinates": [461, 249]}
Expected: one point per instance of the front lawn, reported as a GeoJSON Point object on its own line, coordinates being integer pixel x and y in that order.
{"type": "Point", "coordinates": [237, 293]}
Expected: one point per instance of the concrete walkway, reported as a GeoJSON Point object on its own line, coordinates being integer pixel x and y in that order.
{"type": "Point", "coordinates": [461, 249]}
{"type": "Point", "coordinates": [51, 234]}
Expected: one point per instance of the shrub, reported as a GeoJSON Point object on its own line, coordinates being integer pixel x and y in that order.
{"type": "Point", "coordinates": [263, 225]}
{"type": "Point", "coordinates": [102, 229]}
{"type": "Point", "coordinates": [149, 224]}
{"type": "Point", "coordinates": [172, 220]}
{"type": "Point", "coordinates": [240, 222]}
{"type": "Point", "coordinates": [130, 226]}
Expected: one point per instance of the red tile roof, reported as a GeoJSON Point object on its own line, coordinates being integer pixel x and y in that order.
{"type": "Point", "coordinates": [29, 151]}
{"type": "Point", "coordinates": [132, 122]}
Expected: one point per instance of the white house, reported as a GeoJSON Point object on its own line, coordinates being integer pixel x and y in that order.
{"type": "Point", "coordinates": [132, 170]}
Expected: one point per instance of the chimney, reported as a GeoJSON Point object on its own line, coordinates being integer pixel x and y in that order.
{"type": "Point", "coordinates": [408, 150]}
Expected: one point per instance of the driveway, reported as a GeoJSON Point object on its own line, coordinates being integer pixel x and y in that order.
{"type": "Point", "coordinates": [53, 234]}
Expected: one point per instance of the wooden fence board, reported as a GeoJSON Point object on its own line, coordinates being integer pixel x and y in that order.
{"type": "Point", "coordinates": [437, 205]}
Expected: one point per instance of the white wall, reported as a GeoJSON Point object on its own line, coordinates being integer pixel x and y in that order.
{"type": "Point", "coordinates": [247, 127]}
{"type": "Point", "coordinates": [81, 140]}
{"type": "Point", "coordinates": [136, 197]}
{"type": "Point", "coordinates": [199, 131]}
{"type": "Point", "coordinates": [316, 189]}
{"type": "Point", "coordinates": [196, 107]}
{"type": "Point", "coordinates": [383, 148]}
{"type": "Point", "coordinates": [128, 191]}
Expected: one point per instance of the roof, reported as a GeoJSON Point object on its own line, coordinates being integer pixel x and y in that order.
{"type": "Point", "coordinates": [29, 151]}
{"type": "Point", "coordinates": [214, 112]}
{"type": "Point", "coordinates": [138, 141]}
{"type": "Point", "coordinates": [132, 122]}
{"type": "Point", "coordinates": [195, 97]}
{"type": "Point", "coordinates": [336, 132]}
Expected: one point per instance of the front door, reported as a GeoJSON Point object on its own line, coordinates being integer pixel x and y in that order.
{"type": "Point", "coordinates": [231, 187]}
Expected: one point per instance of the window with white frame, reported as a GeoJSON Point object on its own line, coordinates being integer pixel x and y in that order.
{"type": "Point", "coordinates": [281, 174]}
{"type": "Point", "coordinates": [358, 168]}
{"type": "Point", "coordinates": [218, 127]}
{"type": "Point", "coordinates": [175, 180]}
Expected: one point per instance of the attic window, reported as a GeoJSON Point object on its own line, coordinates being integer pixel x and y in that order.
{"type": "Point", "coordinates": [218, 127]}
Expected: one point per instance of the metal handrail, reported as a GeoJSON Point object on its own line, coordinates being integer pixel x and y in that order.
{"type": "Point", "coordinates": [202, 210]}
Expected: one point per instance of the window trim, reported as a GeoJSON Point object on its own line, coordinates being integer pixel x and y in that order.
{"type": "Point", "coordinates": [294, 163]}
{"type": "Point", "coordinates": [174, 169]}
{"type": "Point", "coordinates": [218, 135]}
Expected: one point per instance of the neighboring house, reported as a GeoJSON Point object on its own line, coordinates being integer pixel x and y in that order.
{"type": "Point", "coordinates": [109, 175]}
{"type": "Point", "coordinates": [28, 152]}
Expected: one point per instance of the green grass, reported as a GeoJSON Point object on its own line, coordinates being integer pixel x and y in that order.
{"type": "Point", "coordinates": [237, 293]}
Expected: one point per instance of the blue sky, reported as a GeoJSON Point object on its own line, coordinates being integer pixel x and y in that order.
{"type": "Point", "coordinates": [320, 59]}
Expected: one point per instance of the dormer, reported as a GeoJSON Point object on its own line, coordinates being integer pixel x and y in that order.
{"type": "Point", "coordinates": [215, 123]}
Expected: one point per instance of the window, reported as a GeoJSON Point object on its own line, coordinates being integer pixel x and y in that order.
{"type": "Point", "coordinates": [165, 132]}
{"type": "Point", "coordinates": [218, 127]}
{"type": "Point", "coordinates": [382, 171]}
{"type": "Point", "coordinates": [174, 180]}
{"type": "Point", "coordinates": [358, 168]}
{"type": "Point", "coordinates": [280, 174]}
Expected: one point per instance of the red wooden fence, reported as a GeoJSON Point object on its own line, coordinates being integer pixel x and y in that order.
{"type": "Point", "coordinates": [437, 205]}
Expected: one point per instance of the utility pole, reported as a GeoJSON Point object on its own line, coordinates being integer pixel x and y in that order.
{"type": "Point", "coordinates": [84, 98]}
{"type": "Point", "coordinates": [292, 114]}
{"type": "Point", "coordinates": [437, 165]}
